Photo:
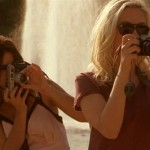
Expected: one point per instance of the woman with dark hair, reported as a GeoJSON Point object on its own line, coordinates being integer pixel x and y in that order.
{"type": "Point", "coordinates": [27, 121]}
{"type": "Point", "coordinates": [7, 45]}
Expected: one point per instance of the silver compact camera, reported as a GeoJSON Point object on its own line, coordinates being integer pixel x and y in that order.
{"type": "Point", "coordinates": [14, 75]}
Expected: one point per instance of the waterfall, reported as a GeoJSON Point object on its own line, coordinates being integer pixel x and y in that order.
{"type": "Point", "coordinates": [56, 35]}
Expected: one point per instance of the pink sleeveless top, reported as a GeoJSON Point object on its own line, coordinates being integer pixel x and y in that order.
{"type": "Point", "coordinates": [44, 131]}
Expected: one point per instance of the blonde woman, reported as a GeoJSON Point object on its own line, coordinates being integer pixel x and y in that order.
{"type": "Point", "coordinates": [114, 96]}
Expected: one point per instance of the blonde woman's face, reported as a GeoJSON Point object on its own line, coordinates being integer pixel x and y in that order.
{"type": "Point", "coordinates": [131, 16]}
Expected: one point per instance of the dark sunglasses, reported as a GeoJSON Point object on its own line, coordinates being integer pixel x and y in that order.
{"type": "Point", "coordinates": [128, 28]}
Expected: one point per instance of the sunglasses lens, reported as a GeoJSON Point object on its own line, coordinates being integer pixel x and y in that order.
{"type": "Point", "coordinates": [142, 29]}
{"type": "Point", "coordinates": [126, 28]}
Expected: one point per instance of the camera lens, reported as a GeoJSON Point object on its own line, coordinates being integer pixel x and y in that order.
{"type": "Point", "coordinates": [21, 78]}
{"type": "Point", "coordinates": [146, 47]}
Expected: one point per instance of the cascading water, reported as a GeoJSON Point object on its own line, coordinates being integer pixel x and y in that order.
{"type": "Point", "coordinates": [55, 36]}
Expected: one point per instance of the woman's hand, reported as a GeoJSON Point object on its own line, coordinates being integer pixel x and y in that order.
{"type": "Point", "coordinates": [129, 50]}
{"type": "Point", "coordinates": [37, 79]}
{"type": "Point", "coordinates": [16, 97]}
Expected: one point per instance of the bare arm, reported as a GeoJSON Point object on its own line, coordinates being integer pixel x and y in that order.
{"type": "Point", "coordinates": [57, 95]}
{"type": "Point", "coordinates": [17, 134]}
{"type": "Point", "coordinates": [2, 137]}
{"type": "Point", "coordinates": [63, 100]}
{"type": "Point", "coordinates": [107, 117]}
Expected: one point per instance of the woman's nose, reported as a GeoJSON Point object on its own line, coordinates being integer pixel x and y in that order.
{"type": "Point", "coordinates": [135, 33]}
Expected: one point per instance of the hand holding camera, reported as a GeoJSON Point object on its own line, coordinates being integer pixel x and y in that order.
{"type": "Point", "coordinates": [14, 75]}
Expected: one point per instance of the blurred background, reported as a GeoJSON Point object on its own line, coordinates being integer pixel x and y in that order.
{"type": "Point", "coordinates": [55, 35]}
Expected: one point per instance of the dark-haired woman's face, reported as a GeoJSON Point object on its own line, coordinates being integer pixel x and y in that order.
{"type": "Point", "coordinates": [7, 59]}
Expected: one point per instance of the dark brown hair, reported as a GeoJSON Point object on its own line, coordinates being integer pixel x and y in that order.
{"type": "Point", "coordinates": [7, 45]}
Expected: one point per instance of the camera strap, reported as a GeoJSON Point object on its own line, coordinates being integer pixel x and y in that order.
{"type": "Point", "coordinates": [39, 99]}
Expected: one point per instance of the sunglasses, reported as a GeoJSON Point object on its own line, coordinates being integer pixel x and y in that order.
{"type": "Point", "coordinates": [128, 28]}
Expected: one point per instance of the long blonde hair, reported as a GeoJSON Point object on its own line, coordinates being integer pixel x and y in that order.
{"type": "Point", "coordinates": [103, 35]}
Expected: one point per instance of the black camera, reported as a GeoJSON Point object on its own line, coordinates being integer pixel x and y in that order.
{"type": "Point", "coordinates": [14, 75]}
{"type": "Point", "coordinates": [144, 45]}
